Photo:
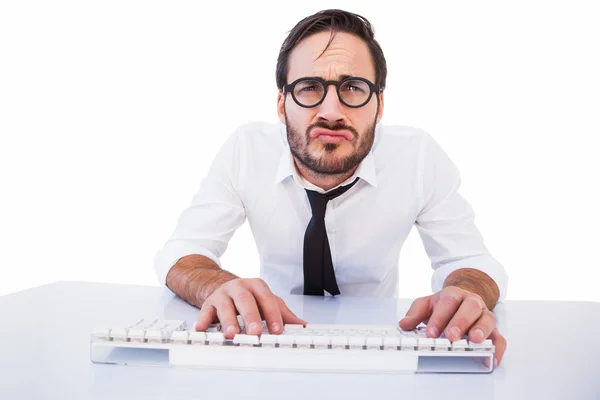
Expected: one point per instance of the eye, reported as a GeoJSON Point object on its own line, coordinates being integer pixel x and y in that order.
{"type": "Point", "coordinates": [355, 86]}
{"type": "Point", "coordinates": [308, 88]}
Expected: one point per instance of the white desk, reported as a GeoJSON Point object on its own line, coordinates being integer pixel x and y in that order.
{"type": "Point", "coordinates": [553, 351]}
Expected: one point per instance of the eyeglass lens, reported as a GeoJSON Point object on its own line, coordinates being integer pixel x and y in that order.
{"type": "Point", "coordinates": [353, 92]}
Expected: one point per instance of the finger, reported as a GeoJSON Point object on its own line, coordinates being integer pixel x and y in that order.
{"type": "Point", "coordinates": [227, 314]}
{"type": "Point", "coordinates": [483, 327]}
{"type": "Point", "coordinates": [205, 318]}
{"type": "Point", "coordinates": [269, 307]}
{"type": "Point", "coordinates": [500, 344]}
{"type": "Point", "coordinates": [288, 316]}
{"type": "Point", "coordinates": [443, 311]}
{"type": "Point", "coordinates": [419, 310]}
{"type": "Point", "coordinates": [244, 302]}
{"type": "Point", "coordinates": [469, 312]}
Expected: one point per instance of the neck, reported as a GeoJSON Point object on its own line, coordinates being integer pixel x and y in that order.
{"type": "Point", "coordinates": [324, 181]}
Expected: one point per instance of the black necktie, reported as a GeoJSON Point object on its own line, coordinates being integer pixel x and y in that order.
{"type": "Point", "coordinates": [318, 267]}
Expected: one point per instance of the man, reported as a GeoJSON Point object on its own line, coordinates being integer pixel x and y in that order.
{"type": "Point", "coordinates": [331, 196]}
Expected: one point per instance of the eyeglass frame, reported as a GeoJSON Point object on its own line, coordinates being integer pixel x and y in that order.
{"type": "Point", "coordinates": [289, 88]}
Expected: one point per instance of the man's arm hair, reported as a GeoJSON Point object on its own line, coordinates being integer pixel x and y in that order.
{"type": "Point", "coordinates": [195, 277]}
{"type": "Point", "coordinates": [475, 281]}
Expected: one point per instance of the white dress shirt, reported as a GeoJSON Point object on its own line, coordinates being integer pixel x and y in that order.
{"type": "Point", "coordinates": [405, 180]}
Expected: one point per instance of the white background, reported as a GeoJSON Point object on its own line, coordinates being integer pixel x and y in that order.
{"type": "Point", "coordinates": [111, 112]}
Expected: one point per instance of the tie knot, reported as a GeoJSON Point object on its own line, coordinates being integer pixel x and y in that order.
{"type": "Point", "coordinates": [318, 201]}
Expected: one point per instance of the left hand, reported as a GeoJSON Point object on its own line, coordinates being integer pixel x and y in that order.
{"type": "Point", "coordinates": [456, 312]}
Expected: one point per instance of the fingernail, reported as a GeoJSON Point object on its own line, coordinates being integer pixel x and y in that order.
{"type": "Point", "coordinates": [196, 325]}
{"type": "Point", "coordinates": [433, 331]}
{"type": "Point", "coordinates": [478, 334]}
{"type": "Point", "coordinates": [230, 331]}
{"type": "Point", "coordinates": [275, 327]}
{"type": "Point", "coordinates": [455, 333]}
{"type": "Point", "coordinates": [253, 328]}
{"type": "Point", "coordinates": [495, 363]}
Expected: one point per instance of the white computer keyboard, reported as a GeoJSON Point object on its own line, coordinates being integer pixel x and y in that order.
{"type": "Point", "coordinates": [314, 348]}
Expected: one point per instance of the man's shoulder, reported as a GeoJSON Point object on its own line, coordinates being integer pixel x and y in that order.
{"type": "Point", "coordinates": [391, 137]}
{"type": "Point", "coordinates": [259, 130]}
{"type": "Point", "coordinates": [401, 131]}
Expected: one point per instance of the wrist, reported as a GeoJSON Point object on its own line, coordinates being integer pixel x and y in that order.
{"type": "Point", "coordinates": [475, 281]}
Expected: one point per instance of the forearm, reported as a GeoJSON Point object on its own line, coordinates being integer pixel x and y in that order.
{"type": "Point", "coordinates": [475, 281]}
{"type": "Point", "coordinates": [195, 277]}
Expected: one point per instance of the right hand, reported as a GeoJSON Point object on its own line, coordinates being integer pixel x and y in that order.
{"type": "Point", "coordinates": [253, 300]}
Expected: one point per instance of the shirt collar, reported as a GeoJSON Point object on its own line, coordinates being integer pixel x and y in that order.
{"type": "Point", "coordinates": [286, 167]}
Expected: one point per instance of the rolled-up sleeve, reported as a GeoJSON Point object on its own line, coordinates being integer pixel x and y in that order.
{"type": "Point", "coordinates": [211, 219]}
{"type": "Point", "coordinates": [446, 222]}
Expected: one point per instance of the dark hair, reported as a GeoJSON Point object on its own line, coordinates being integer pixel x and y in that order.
{"type": "Point", "coordinates": [334, 21]}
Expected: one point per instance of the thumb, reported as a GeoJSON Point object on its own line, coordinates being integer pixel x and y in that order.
{"type": "Point", "coordinates": [418, 312]}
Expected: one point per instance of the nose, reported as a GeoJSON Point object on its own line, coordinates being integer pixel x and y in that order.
{"type": "Point", "coordinates": [331, 109]}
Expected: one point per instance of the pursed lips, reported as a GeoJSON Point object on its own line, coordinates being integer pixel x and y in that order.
{"type": "Point", "coordinates": [320, 131]}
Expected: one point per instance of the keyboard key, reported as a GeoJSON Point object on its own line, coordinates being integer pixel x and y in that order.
{"type": "Point", "coordinates": [321, 342]}
{"type": "Point", "coordinates": [425, 344]}
{"type": "Point", "coordinates": [391, 342]}
{"type": "Point", "coordinates": [180, 337]}
{"type": "Point", "coordinates": [339, 342]}
{"type": "Point", "coordinates": [245, 340]}
{"type": "Point", "coordinates": [287, 341]}
{"type": "Point", "coordinates": [198, 338]}
{"type": "Point", "coordinates": [215, 338]}
{"type": "Point", "coordinates": [460, 345]}
{"type": "Point", "coordinates": [101, 333]}
{"type": "Point", "coordinates": [268, 340]}
{"type": "Point", "coordinates": [485, 346]}
{"type": "Point", "coordinates": [119, 334]}
{"type": "Point", "coordinates": [408, 343]}
{"type": "Point", "coordinates": [356, 342]}
{"type": "Point", "coordinates": [374, 342]}
{"type": "Point", "coordinates": [154, 336]}
{"type": "Point", "coordinates": [304, 341]}
{"type": "Point", "coordinates": [136, 335]}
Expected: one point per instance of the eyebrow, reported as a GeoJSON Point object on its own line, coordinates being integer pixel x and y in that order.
{"type": "Point", "coordinates": [341, 77]}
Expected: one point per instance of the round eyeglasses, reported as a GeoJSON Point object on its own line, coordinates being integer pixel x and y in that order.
{"type": "Point", "coordinates": [352, 91]}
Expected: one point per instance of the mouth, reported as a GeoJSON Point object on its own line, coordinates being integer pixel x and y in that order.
{"type": "Point", "coordinates": [329, 136]}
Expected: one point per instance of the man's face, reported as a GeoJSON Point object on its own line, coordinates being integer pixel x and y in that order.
{"type": "Point", "coordinates": [307, 127]}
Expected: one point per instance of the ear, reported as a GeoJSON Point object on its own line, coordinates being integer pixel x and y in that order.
{"type": "Point", "coordinates": [281, 107]}
{"type": "Point", "coordinates": [380, 113]}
